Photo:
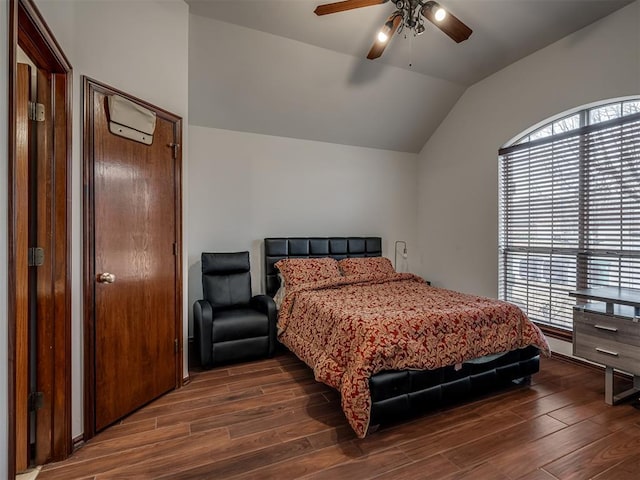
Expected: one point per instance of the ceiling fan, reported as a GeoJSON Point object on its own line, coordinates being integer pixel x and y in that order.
{"type": "Point", "coordinates": [409, 14]}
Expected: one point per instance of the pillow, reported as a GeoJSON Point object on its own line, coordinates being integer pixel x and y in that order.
{"type": "Point", "coordinates": [367, 265]}
{"type": "Point", "coordinates": [304, 270]}
{"type": "Point", "coordinates": [279, 297]}
{"type": "Point", "coordinates": [282, 291]}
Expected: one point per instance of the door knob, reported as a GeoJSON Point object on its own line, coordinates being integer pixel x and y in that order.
{"type": "Point", "coordinates": [106, 277]}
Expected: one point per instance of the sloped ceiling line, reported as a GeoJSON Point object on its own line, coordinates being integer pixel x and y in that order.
{"type": "Point", "coordinates": [273, 67]}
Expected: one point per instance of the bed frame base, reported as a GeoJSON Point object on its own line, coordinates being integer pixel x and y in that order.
{"type": "Point", "coordinates": [399, 395]}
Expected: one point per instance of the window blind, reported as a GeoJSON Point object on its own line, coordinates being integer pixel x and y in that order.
{"type": "Point", "coordinates": [569, 216]}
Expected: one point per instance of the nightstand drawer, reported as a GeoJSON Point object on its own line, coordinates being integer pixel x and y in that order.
{"type": "Point", "coordinates": [611, 353]}
{"type": "Point", "coordinates": [607, 327]}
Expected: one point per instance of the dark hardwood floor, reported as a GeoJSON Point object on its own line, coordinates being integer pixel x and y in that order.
{"type": "Point", "coordinates": [270, 419]}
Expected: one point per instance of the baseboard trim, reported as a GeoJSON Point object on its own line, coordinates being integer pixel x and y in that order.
{"type": "Point", "coordinates": [192, 356]}
{"type": "Point", "coordinates": [592, 366]}
{"type": "Point", "coordinates": [77, 441]}
{"type": "Point", "coordinates": [29, 474]}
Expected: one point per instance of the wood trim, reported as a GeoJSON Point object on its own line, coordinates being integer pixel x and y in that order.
{"type": "Point", "coordinates": [42, 224]}
{"type": "Point", "coordinates": [88, 271]}
{"type": "Point", "coordinates": [62, 90]}
{"type": "Point", "coordinates": [178, 207]}
{"type": "Point", "coordinates": [36, 38]}
{"type": "Point", "coordinates": [28, 29]}
{"type": "Point", "coordinates": [576, 361]}
{"type": "Point", "coordinates": [590, 365]}
{"type": "Point", "coordinates": [554, 332]}
{"type": "Point", "coordinates": [21, 275]}
{"type": "Point", "coordinates": [89, 85]}
{"type": "Point", "coordinates": [11, 287]}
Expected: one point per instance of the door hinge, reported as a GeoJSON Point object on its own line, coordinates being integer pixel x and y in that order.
{"type": "Point", "coordinates": [175, 344]}
{"type": "Point", "coordinates": [36, 401]}
{"type": "Point", "coordinates": [36, 257]}
{"type": "Point", "coordinates": [175, 249]}
{"type": "Point", "coordinates": [175, 147]}
{"type": "Point", "coordinates": [36, 111]}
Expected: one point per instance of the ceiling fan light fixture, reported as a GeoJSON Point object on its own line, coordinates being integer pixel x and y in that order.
{"type": "Point", "coordinates": [385, 31]}
{"type": "Point", "coordinates": [440, 13]}
{"type": "Point", "coordinates": [445, 21]}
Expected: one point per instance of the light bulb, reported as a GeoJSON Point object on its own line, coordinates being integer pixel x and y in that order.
{"type": "Point", "coordinates": [440, 14]}
{"type": "Point", "coordinates": [385, 31]}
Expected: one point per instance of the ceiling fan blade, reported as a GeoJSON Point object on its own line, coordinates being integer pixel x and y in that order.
{"type": "Point", "coordinates": [346, 5]}
{"type": "Point", "coordinates": [450, 25]}
{"type": "Point", "coordinates": [393, 22]}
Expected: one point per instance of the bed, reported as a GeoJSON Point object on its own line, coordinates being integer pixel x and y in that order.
{"type": "Point", "coordinates": [391, 344]}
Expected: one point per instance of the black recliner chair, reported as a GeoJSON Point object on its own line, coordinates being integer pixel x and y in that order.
{"type": "Point", "coordinates": [229, 324]}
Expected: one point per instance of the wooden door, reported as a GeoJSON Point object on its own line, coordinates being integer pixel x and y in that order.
{"type": "Point", "coordinates": [135, 230]}
{"type": "Point", "coordinates": [35, 366]}
{"type": "Point", "coordinates": [41, 295]}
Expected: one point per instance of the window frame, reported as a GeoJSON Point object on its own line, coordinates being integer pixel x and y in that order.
{"type": "Point", "coordinates": [584, 133]}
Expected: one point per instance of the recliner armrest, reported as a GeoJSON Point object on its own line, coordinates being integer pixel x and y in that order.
{"type": "Point", "coordinates": [203, 331]}
{"type": "Point", "coordinates": [266, 305]}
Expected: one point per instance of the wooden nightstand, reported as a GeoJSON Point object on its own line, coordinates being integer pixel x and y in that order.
{"type": "Point", "coordinates": [608, 332]}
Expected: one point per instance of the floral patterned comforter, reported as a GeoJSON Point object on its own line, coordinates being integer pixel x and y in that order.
{"type": "Point", "coordinates": [350, 328]}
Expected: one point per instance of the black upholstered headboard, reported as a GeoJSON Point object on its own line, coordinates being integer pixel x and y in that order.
{"type": "Point", "coordinates": [314, 247]}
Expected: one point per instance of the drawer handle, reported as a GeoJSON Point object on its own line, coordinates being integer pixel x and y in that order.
{"type": "Point", "coordinates": [604, 327]}
{"type": "Point", "coordinates": [606, 352]}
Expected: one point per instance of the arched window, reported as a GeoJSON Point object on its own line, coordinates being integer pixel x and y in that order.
{"type": "Point", "coordinates": [569, 196]}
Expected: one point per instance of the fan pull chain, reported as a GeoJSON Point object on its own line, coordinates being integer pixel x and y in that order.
{"type": "Point", "coordinates": [411, 50]}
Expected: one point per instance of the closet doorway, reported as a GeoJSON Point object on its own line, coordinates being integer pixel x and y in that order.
{"type": "Point", "coordinates": [39, 320]}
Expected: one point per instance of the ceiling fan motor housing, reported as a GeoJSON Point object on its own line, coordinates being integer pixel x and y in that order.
{"type": "Point", "coordinates": [410, 10]}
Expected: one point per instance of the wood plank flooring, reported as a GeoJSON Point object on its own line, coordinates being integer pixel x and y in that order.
{"type": "Point", "coordinates": [270, 419]}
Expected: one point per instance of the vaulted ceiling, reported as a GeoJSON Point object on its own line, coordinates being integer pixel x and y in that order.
{"type": "Point", "coordinates": [274, 67]}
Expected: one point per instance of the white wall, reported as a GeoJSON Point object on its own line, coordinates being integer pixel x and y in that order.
{"type": "Point", "coordinates": [247, 80]}
{"type": "Point", "coordinates": [458, 180]}
{"type": "Point", "coordinates": [4, 182]}
{"type": "Point", "coordinates": [244, 187]}
{"type": "Point", "coordinates": [140, 47]}
{"type": "Point", "coordinates": [458, 191]}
